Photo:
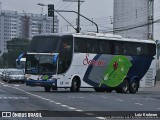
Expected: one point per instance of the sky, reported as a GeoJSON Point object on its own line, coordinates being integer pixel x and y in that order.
{"type": "Point", "coordinates": [101, 11]}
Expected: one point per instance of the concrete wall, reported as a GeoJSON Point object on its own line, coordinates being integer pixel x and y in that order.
{"type": "Point", "coordinates": [128, 14]}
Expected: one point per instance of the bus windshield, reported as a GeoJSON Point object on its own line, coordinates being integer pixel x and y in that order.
{"type": "Point", "coordinates": [43, 44]}
{"type": "Point", "coordinates": [40, 64]}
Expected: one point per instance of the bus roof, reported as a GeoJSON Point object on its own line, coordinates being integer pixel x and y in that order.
{"type": "Point", "coordinates": [104, 36]}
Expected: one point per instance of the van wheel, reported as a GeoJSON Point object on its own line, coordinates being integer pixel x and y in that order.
{"type": "Point", "coordinates": [47, 89]}
{"type": "Point", "coordinates": [75, 85]}
{"type": "Point", "coordinates": [133, 87]}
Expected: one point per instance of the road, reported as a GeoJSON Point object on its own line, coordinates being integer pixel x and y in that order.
{"type": "Point", "coordinates": [18, 97]}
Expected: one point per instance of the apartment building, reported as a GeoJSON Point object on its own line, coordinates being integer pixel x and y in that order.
{"type": "Point", "coordinates": [23, 25]}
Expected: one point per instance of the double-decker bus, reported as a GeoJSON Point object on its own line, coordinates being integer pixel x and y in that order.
{"type": "Point", "coordinates": [104, 62]}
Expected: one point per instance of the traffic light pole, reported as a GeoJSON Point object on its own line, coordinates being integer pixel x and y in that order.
{"type": "Point", "coordinates": [51, 13]}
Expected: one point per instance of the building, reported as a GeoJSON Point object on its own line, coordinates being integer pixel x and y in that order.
{"type": "Point", "coordinates": [129, 14]}
{"type": "Point", "coordinates": [33, 24]}
{"type": "Point", "coordinates": [23, 25]}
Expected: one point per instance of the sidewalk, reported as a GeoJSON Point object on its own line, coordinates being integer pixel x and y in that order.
{"type": "Point", "coordinates": [155, 88]}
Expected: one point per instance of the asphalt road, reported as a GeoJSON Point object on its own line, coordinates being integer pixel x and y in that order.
{"type": "Point", "coordinates": [18, 97]}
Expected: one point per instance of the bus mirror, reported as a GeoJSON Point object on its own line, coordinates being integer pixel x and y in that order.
{"type": "Point", "coordinates": [55, 58]}
{"type": "Point", "coordinates": [20, 56]}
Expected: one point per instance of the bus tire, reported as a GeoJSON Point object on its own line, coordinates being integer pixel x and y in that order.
{"type": "Point", "coordinates": [109, 90]}
{"type": "Point", "coordinates": [133, 88]}
{"type": "Point", "coordinates": [75, 87]}
{"type": "Point", "coordinates": [124, 87]}
{"type": "Point", "coordinates": [47, 89]}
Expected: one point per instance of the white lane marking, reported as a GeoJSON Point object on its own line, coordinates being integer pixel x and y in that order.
{"type": "Point", "coordinates": [14, 98]}
{"type": "Point", "coordinates": [1, 83]}
{"type": "Point", "coordinates": [119, 100]}
{"type": "Point", "coordinates": [40, 97]}
{"type": "Point", "coordinates": [104, 97]}
{"type": "Point", "coordinates": [145, 98]}
{"type": "Point", "coordinates": [64, 105]}
{"type": "Point", "coordinates": [91, 94]}
{"type": "Point", "coordinates": [58, 103]}
{"type": "Point", "coordinates": [45, 99]}
{"type": "Point", "coordinates": [158, 108]}
{"type": "Point", "coordinates": [150, 98]}
{"type": "Point", "coordinates": [23, 97]}
{"type": "Point", "coordinates": [138, 104]}
{"type": "Point", "coordinates": [5, 85]}
{"type": "Point", "coordinates": [135, 98]}
{"type": "Point", "coordinates": [77, 97]}
{"type": "Point", "coordinates": [89, 114]}
{"type": "Point", "coordinates": [52, 101]}
{"type": "Point", "coordinates": [81, 97]}
{"type": "Point", "coordinates": [79, 110]}
{"type": "Point", "coordinates": [71, 108]}
{"type": "Point", "coordinates": [101, 118]}
{"type": "Point", "coordinates": [16, 85]}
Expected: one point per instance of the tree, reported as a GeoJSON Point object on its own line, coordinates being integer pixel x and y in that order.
{"type": "Point", "coordinates": [15, 47]}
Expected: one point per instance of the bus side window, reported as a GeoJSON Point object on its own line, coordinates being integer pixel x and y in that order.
{"type": "Point", "coordinates": [104, 47]}
{"type": "Point", "coordinates": [126, 49]}
{"type": "Point", "coordinates": [80, 45]}
{"type": "Point", "coordinates": [118, 48]}
{"type": "Point", "coordinates": [92, 46]}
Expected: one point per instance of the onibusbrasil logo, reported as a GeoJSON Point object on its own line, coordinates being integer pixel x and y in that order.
{"type": "Point", "coordinates": [116, 71]}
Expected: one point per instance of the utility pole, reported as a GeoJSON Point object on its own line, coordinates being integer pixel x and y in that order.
{"type": "Point", "coordinates": [151, 19]}
{"type": "Point", "coordinates": [78, 18]}
{"type": "Point", "coordinates": [78, 26]}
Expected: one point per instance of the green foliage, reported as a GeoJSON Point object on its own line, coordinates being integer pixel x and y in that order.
{"type": "Point", "coordinates": [15, 47]}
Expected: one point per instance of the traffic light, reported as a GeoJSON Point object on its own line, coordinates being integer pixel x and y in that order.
{"type": "Point", "coordinates": [51, 10]}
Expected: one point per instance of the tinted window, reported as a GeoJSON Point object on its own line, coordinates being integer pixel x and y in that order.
{"type": "Point", "coordinates": [117, 48]}
{"type": "Point", "coordinates": [65, 54]}
{"type": "Point", "coordinates": [104, 47]}
{"type": "Point", "coordinates": [80, 45]}
{"type": "Point", "coordinates": [92, 46]}
{"type": "Point", "coordinates": [88, 45]}
{"type": "Point", "coordinates": [44, 44]}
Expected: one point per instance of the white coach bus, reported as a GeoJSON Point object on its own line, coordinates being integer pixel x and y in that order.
{"type": "Point", "coordinates": [104, 62]}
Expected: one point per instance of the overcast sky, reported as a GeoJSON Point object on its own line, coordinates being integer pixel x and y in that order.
{"type": "Point", "coordinates": [100, 10]}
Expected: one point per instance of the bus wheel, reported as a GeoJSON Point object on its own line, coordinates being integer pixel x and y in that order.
{"type": "Point", "coordinates": [75, 85]}
{"type": "Point", "coordinates": [124, 87]}
{"type": "Point", "coordinates": [47, 89]}
{"type": "Point", "coordinates": [133, 87]}
{"type": "Point", "coordinates": [108, 90]}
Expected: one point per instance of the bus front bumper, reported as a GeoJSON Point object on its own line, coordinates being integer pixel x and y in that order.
{"type": "Point", "coordinates": [42, 83]}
